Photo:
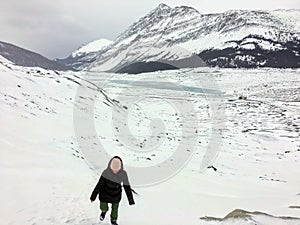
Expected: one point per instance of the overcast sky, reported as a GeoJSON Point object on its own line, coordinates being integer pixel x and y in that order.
{"type": "Point", "coordinates": [55, 28]}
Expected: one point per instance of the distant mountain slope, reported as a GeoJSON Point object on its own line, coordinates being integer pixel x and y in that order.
{"type": "Point", "coordinates": [86, 54]}
{"type": "Point", "coordinates": [93, 46]}
{"type": "Point", "coordinates": [23, 57]}
{"type": "Point", "coordinates": [236, 38]}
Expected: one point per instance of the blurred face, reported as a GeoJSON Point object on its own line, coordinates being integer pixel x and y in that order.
{"type": "Point", "coordinates": [115, 165]}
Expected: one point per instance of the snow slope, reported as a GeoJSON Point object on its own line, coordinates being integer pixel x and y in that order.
{"type": "Point", "coordinates": [86, 54]}
{"type": "Point", "coordinates": [93, 46]}
{"type": "Point", "coordinates": [47, 178]}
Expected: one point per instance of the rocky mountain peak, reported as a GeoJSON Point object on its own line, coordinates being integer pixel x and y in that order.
{"type": "Point", "coordinates": [163, 6]}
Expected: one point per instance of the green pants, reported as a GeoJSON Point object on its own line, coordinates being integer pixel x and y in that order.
{"type": "Point", "coordinates": [114, 209]}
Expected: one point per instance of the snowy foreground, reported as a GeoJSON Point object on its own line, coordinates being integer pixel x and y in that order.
{"type": "Point", "coordinates": [47, 179]}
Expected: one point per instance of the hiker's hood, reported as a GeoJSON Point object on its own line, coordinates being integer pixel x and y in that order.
{"type": "Point", "coordinates": [109, 163]}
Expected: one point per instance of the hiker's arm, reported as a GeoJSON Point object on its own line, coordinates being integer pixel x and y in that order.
{"type": "Point", "coordinates": [127, 188]}
{"type": "Point", "coordinates": [97, 188]}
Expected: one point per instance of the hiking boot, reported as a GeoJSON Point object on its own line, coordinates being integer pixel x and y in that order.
{"type": "Point", "coordinates": [113, 222]}
{"type": "Point", "coordinates": [102, 215]}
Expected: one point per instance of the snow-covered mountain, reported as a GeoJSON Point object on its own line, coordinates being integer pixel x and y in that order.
{"type": "Point", "coordinates": [236, 38]}
{"type": "Point", "coordinates": [93, 46]}
{"type": "Point", "coordinates": [23, 57]}
{"type": "Point", "coordinates": [86, 54]}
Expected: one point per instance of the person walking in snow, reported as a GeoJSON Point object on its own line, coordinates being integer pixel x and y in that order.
{"type": "Point", "coordinates": [109, 189]}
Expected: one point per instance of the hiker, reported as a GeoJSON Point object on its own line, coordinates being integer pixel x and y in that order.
{"type": "Point", "coordinates": [109, 189]}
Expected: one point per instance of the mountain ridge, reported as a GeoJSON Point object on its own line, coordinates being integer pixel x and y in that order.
{"type": "Point", "coordinates": [234, 38]}
{"type": "Point", "coordinates": [197, 33]}
{"type": "Point", "coordinates": [23, 57]}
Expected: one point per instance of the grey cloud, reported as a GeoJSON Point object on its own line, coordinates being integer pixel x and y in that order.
{"type": "Point", "coordinates": [55, 28]}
